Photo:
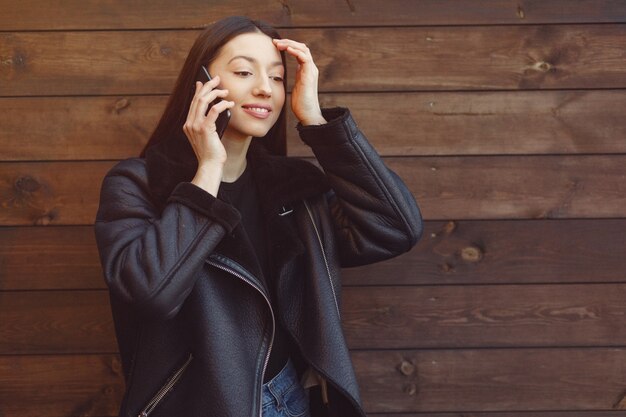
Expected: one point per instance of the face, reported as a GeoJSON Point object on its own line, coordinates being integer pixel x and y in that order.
{"type": "Point", "coordinates": [250, 67]}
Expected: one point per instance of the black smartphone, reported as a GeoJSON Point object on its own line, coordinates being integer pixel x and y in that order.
{"type": "Point", "coordinates": [224, 117]}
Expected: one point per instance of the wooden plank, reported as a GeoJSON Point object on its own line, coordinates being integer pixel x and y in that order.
{"type": "Point", "coordinates": [465, 252]}
{"type": "Point", "coordinates": [59, 386]}
{"type": "Point", "coordinates": [91, 14]}
{"type": "Point", "coordinates": [50, 193]}
{"type": "Point", "coordinates": [505, 252]}
{"type": "Point", "coordinates": [427, 381]}
{"type": "Point", "coordinates": [459, 188]}
{"type": "Point", "coordinates": [428, 58]}
{"type": "Point", "coordinates": [84, 128]}
{"type": "Point", "coordinates": [484, 316]}
{"type": "Point", "coordinates": [51, 257]}
{"type": "Point", "coordinates": [515, 187]}
{"type": "Point", "coordinates": [33, 322]}
{"type": "Point", "coordinates": [491, 380]}
{"type": "Point", "coordinates": [91, 62]}
{"type": "Point", "coordinates": [483, 123]}
{"type": "Point", "coordinates": [436, 123]}
{"type": "Point", "coordinates": [72, 322]}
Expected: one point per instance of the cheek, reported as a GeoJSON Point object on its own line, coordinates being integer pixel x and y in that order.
{"type": "Point", "coordinates": [279, 96]}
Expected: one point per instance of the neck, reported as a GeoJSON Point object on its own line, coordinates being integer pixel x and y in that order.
{"type": "Point", "coordinates": [235, 164]}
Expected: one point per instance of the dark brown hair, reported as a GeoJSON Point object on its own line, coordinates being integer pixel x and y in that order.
{"type": "Point", "coordinates": [204, 50]}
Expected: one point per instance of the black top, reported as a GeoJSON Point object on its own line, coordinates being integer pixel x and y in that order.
{"type": "Point", "coordinates": [243, 195]}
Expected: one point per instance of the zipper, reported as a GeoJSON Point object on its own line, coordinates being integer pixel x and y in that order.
{"type": "Point", "coordinates": [250, 281]}
{"type": "Point", "coordinates": [319, 239]}
{"type": "Point", "coordinates": [165, 389]}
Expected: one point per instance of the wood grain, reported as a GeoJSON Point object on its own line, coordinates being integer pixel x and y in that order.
{"type": "Point", "coordinates": [490, 379]}
{"type": "Point", "coordinates": [428, 58]}
{"type": "Point", "coordinates": [84, 128]}
{"type": "Point", "coordinates": [459, 188]}
{"type": "Point", "coordinates": [40, 258]}
{"type": "Point", "coordinates": [435, 123]}
{"type": "Point", "coordinates": [74, 322]}
{"type": "Point", "coordinates": [118, 14]}
{"type": "Point", "coordinates": [505, 252]}
{"type": "Point", "coordinates": [44, 322]}
{"type": "Point", "coordinates": [50, 193]}
{"type": "Point", "coordinates": [460, 252]}
{"type": "Point", "coordinates": [515, 187]}
{"type": "Point", "coordinates": [59, 386]}
{"type": "Point", "coordinates": [404, 381]}
{"type": "Point", "coordinates": [484, 316]}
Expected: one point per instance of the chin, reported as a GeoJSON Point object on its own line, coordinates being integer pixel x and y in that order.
{"type": "Point", "coordinates": [254, 131]}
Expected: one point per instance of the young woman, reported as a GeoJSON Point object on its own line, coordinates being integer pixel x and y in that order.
{"type": "Point", "coordinates": [223, 256]}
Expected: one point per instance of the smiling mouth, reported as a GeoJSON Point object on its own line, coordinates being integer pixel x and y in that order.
{"type": "Point", "coordinates": [258, 112]}
{"type": "Point", "coordinates": [258, 109]}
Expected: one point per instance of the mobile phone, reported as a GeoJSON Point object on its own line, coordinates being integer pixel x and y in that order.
{"type": "Point", "coordinates": [224, 117]}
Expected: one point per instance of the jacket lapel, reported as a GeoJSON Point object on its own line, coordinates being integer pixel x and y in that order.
{"type": "Point", "coordinates": [281, 183]}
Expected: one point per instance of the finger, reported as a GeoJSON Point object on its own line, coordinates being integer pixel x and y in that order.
{"type": "Point", "coordinates": [297, 45]}
{"type": "Point", "coordinates": [217, 109]}
{"type": "Point", "coordinates": [297, 49]}
{"type": "Point", "coordinates": [192, 107]}
{"type": "Point", "coordinates": [209, 85]}
{"type": "Point", "coordinates": [205, 100]}
{"type": "Point", "coordinates": [302, 57]}
{"type": "Point", "coordinates": [214, 81]}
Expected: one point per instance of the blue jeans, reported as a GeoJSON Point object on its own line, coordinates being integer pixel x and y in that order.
{"type": "Point", "coordinates": [284, 396]}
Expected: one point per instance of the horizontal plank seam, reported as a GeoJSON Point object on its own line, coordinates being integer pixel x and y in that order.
{"type": "Point", "coordinates": [324, 27]}
{"type": "Point", "coordinates": [336, 92]}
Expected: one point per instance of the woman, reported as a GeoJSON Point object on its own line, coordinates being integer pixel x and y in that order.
{"type": "Point", "coordinates": [222, 256]}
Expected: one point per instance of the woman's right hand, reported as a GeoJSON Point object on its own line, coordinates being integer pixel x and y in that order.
{"type": "Point", "coordinates": [200, 129]}
{"type": "Point", "coordinates": [202, 134]}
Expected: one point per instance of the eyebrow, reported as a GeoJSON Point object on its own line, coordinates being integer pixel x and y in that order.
{"type": "Point", "coordinates": [254, 61]}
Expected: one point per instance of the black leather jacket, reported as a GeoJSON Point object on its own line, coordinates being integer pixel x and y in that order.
{"type": "Point", "coordinates": [191, 308]}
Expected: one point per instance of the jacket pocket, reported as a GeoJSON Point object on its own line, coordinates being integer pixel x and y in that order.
{"type": "Point", "coordinates": [167, 387]}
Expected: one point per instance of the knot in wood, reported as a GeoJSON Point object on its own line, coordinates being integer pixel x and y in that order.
{"type": "Point", "coordinates": [446, 267]}
{"type": "Point", "coordinates": [43, 220]}
{"type": "Point", "coordinates": [27, 184]}
{"type": "Point", "coordinates": [121, 104]}
{"type": "Point", "coordinates": [18, 60]}
{"type": "Point", "coordinates": [471, 254]}
{"type": "Point", "coordinates": [542, 66]}
{"type": "Point", "coordinates": [406, 368]}
{"type": "Point", "coordinates": [116, 366]}
{"type": "Point", "coordinates": [449, 227]}
{"type": "Point", "coordinates": [47, 218]}
{"type": "Point", "coordinates": [286, 7]}
{"type": "Point", "coordinates": [520, 12]}
{"type": "Point", "coordinates": [410, 389]}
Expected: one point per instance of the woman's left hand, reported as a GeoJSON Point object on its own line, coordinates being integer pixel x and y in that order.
{"type": "Point", "coordinates": [304, 100]}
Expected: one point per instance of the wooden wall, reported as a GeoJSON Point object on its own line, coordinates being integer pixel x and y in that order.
{"type": "Point", "coordinates": [506, 118]}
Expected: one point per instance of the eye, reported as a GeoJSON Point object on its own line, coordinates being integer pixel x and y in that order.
{"type": "Point", "coordinates": [277, 78]}
{"type": "Point", "coordinates": [243, 73]}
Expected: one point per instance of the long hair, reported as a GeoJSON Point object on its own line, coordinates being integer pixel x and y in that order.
{"type": "Point", "coordinates": [204, 50]}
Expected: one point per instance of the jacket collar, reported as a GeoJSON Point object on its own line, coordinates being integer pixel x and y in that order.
{"type": "Point", "coordinates": [281, 182]}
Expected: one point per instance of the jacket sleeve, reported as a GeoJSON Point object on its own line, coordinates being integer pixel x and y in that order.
{"type": "Point", "coordinates": [374, 214]}
{"type": "Point", "coordinates": [150, 260]}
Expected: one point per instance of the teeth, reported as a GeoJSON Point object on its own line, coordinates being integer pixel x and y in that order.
{"type": "Point", "coordinates": [258, 109]}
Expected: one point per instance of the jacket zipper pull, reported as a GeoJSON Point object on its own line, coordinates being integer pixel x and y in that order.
{"type": "Point", "coordinates": [285, 211]}
{"type": "Point", "coordinates": [324, 391]}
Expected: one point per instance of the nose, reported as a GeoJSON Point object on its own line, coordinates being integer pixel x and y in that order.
{"type": "Point", "coordinates": [263, 87]}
